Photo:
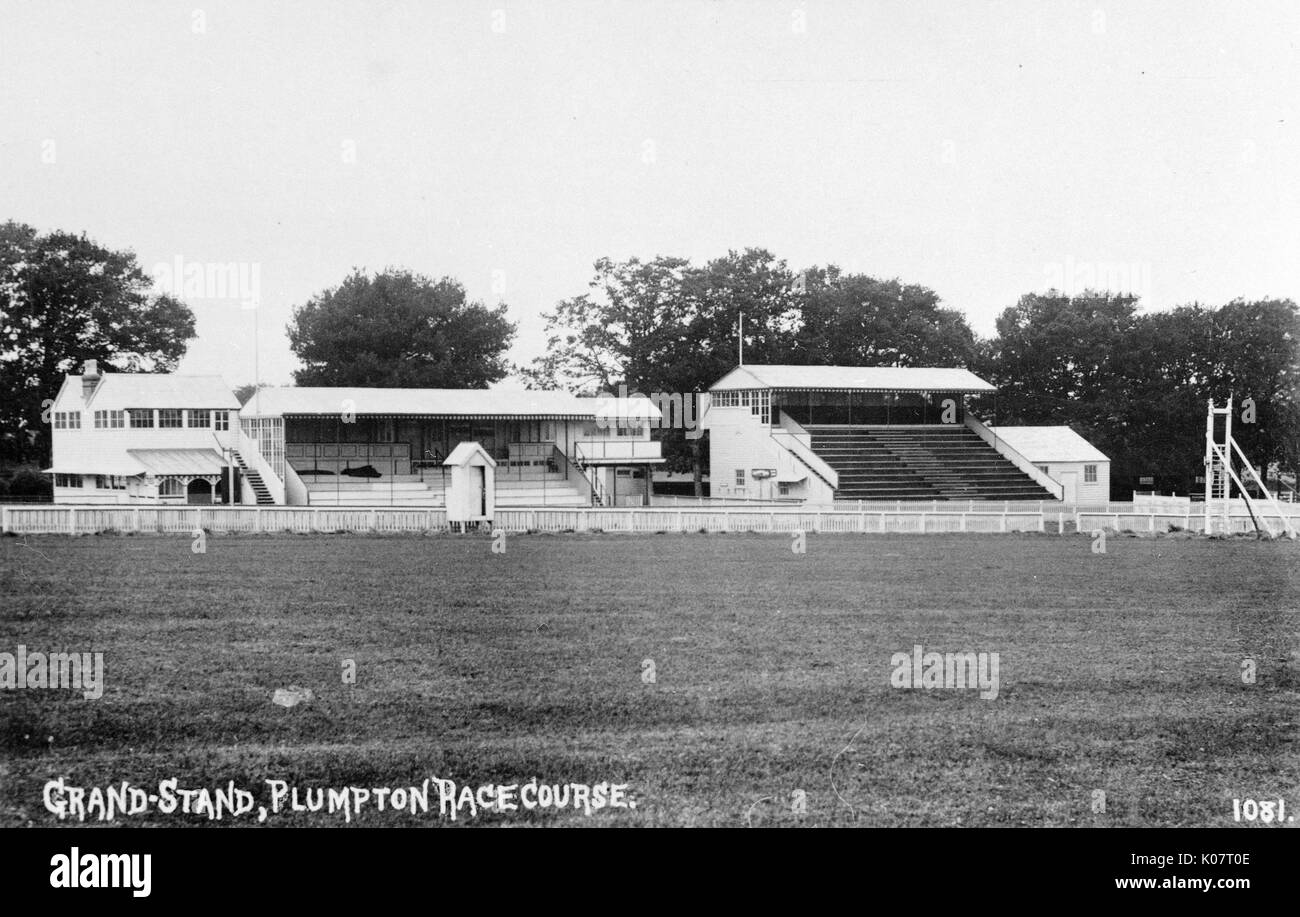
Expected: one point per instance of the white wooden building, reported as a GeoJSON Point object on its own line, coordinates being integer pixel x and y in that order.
{"type": "Point", "coordinates": [143, 437]}
{"type": "Point", "coordinates": [1082, 469]}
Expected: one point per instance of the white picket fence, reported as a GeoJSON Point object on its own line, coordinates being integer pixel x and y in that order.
{"type": "Point", "coordinates": [1162, 522]}
{"type": "Point", "coordinates": [89, 520]}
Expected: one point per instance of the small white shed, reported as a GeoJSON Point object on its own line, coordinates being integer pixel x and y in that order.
{"type": "Point", "coordinates": [471, 492]}
{"type": "Point", "coordinates": [1082, 470]}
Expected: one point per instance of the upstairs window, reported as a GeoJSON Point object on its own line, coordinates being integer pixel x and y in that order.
{"type": "Point", "coordinates": [67, 420]}
{"type": "Point", "coordinates": [170, 487]}
{"type": "Point", "coordinates": [1090, 474]}
{"type": "Point", "coordinates": [110, 482]}
{"type": "Point", "coordinates": [67, 480]}
{"type": "Point", "coordinates": [141, 418]}
{"type": "Point", "coordinates": [169, 417]}
{"type": "Point", "coordinates": [740, 477]}
{"type": "Point", "coordinates": [221, 420]}
{"type": "Point", "coordinates": [200, 417]}
{"type": "Point", "coordinates": [110, 420]}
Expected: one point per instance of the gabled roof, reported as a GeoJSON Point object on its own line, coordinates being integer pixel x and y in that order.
{"type": "Point", "coordinates": [118, 391]}
{"type": "Point", "coordinates": [466, 451]}
{"type": "Point", "coordinates": [1050, 444]}
{"type": "Point", "coordinates": [857, 378]}
{"type": "Point", "coordinates": [395, 402]}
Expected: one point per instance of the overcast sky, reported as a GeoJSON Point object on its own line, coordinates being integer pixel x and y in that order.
{"type": "Point", "coordinates": [983, 149]}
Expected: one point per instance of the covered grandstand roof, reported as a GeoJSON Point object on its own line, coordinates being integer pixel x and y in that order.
{"type": "Point", "coordinates": [853, 378]}
{"type": "Point", "coordinates": [421, 402]}
{"type": "Point", "coordinates": [1049, 444]}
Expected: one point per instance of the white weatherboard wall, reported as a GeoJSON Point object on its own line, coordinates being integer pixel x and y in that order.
{"type": "Point", "coordinates": [738, 440]}
{"type": "Point", "coordinates": [1087, 493]}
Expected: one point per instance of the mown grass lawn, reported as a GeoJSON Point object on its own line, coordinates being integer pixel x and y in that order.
{"type": "Point", "coordinates": [1120, 672]}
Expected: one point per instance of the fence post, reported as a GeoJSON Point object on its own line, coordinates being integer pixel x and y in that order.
{"type": "Point", "coordinates": [4, 518]}
{"type": "Point", "coordinates": [374, 521]}
{"type": "Point", "coordinates": [924, 516]}
{"type": "Point", "coordinates": [862, 519]}
{"type": "Point", "coordinates": [1153, 522]}
{"type": "Point", "coordinates": [1004, 520]}
{"type": "Point", "coordinates": [257, 519]}
{"type": "Point", "coordinates": [1060, 523]}
{"type": "Point", "coordinates": [679, 518]}
{"type": "Point", "coordinates": [963, 522]}
{"type": "Point", "coordinates": [1042, 519]}
{"type": "Point", "coordinates": [72, 520]}
{"type": "Point", "coordinates": [198, 519]}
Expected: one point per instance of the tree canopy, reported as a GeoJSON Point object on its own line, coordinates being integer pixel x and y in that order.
{"type": "Point", "coordinates": [397, 329]}
{"type": "Point", "coordinates": [65, 299]}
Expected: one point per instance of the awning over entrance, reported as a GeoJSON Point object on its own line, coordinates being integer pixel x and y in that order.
{"type": "Point", "coordinates": [185, 462]}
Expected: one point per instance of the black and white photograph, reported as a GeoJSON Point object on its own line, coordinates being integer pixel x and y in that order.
{"type": "Point", "coordinates": [552, 414]}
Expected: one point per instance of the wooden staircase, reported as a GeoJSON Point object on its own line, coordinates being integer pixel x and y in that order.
{"type": "Point", "coordinates": [254, 480]}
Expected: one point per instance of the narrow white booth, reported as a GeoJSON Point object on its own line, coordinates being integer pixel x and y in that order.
{"type": "Point", "coordinates": [471, 486]}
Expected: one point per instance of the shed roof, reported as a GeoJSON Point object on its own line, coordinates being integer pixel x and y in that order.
{"type": "Point", "coordinates": [463, 452]}
{"type": "Point", "coordinates": [1050, 444]}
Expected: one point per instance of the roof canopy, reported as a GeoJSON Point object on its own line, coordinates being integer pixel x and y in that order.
{"type": "Point", "coordinates": [853, 378]}
{"type": "Point", "coordinates": [133, 462]}
{"type": "Point", "coordinates": [417, 402]}
{"type": "Point", "coordinates": [1049, 444]}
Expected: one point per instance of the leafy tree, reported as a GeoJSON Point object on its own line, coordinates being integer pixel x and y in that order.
{"type": "Point", "coordinates": [665, 325]}
{"type": "Point", "coordinates": [65, 299]}
{"type": "Point", "coordinates": [1136, 385]}
{"type": "Point", "coordinates": [246, 391]}
{"type": "Point", "coordinates": [856, 320]}
{"type": "Point", "coordinates": [399, 329]}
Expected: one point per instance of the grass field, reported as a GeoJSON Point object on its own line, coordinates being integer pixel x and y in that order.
{"type": "Point", "coordinates": [1120, 672]}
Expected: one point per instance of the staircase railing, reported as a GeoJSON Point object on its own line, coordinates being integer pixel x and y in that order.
{"type": "Point", "coordinates": [791, 437]}
{"type": "Point", "coordinates": [598, 494]}
{"type": "Point", "coordinates": [990, 436]}
{"type": "Point", "coordinates": [252, 456]}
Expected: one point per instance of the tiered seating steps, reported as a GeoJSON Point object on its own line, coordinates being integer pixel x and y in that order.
{"type": "Point", "coordinates": [920, 463]}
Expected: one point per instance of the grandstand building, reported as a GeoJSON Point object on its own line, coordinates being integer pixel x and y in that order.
{"type": "Point", "coordinates": [824, 433]}
{"type": "Point", "coordinates": [167, 438]}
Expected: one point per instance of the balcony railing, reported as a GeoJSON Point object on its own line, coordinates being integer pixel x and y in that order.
{"type": "Point", "coordinates": [614, 450]}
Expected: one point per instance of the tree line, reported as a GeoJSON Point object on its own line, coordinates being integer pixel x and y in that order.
{"type": "Point", "coordinates": [1133, 383]}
